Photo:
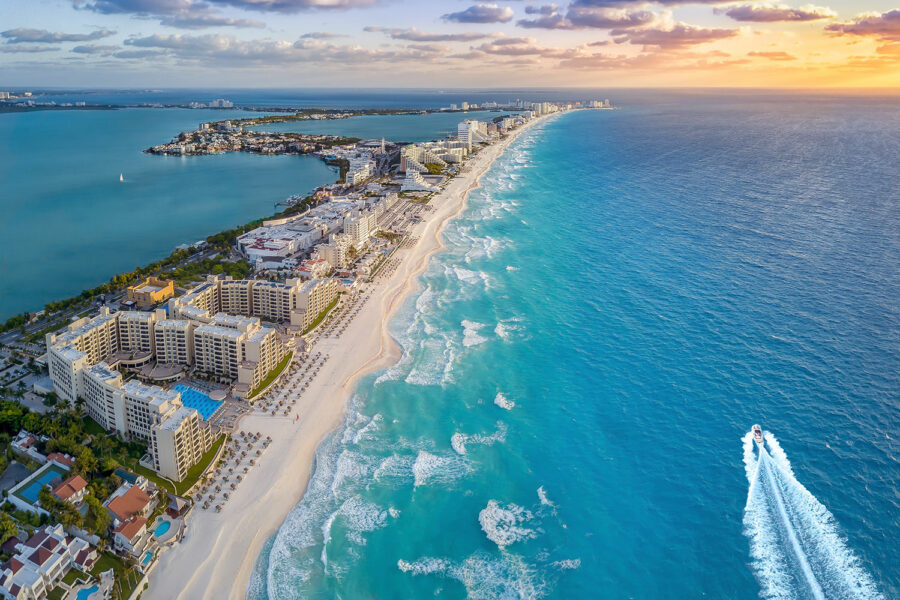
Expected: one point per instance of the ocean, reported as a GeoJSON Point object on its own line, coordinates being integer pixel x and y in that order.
{"type": "Point", "coordinates": [624, 297]}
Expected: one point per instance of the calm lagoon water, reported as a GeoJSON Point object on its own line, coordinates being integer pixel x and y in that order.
{"type": "Point", "coordinates": [68, 223]}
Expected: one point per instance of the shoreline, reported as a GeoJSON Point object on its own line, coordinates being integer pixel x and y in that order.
{"type": "Point", "coordinates": [230, 541]}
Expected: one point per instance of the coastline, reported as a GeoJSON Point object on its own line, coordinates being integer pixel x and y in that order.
{"type": "Point", "coordinates": [229, 542]}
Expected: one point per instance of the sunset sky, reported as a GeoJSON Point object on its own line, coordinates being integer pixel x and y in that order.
{"type": "Point", "coordinates": [379, 43]}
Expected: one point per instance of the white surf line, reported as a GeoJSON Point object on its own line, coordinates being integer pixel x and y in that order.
{"type": "Point", "coordinates": [798, 551]}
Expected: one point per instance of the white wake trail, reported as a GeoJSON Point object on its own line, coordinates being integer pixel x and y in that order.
{"type": "Point", "coordinates": [797, 549]}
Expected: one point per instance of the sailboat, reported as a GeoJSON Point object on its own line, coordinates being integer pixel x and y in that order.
{"type": "Point", "coordinates": [121, 177]}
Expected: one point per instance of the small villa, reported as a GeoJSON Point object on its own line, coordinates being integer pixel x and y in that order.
{"type": "Point", "coordinates": [41, 562]}
{"type": "Point", "coordinates": [71, 490]}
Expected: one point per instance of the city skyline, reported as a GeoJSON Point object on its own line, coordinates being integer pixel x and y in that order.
{"type": "Point", "coordinates": [376, 43]}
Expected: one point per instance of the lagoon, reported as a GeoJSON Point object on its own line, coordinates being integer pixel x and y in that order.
{"type": "Point", "coordinates": [68, 222]}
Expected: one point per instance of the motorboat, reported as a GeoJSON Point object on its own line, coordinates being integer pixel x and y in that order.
{"type": "Point", "coordinates": [757, 435]}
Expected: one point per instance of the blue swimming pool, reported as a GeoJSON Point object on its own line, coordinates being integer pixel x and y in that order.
{"type": "Point", "coordinates": [162, 528]}
{"type": "Point", "coordinates": [85, 593]}
{"type": "Point", "coordinates": [147, 557]}
{"type": "Point", "coordinates": [192, 398]}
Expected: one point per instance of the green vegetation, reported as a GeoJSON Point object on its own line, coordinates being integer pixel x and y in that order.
{"type": "Point", "coordinates": [56, 593]}
{"type": "Point", "coordinates": [161, 483]}
{"type": "Point", "coordinates": [321, 316]}
{"type": "Point", "coordinates": [434, 168]}
{"type": "Point", "coordinates": [127, 575]}
{"type": "Point", "coordinates": [14, 323]}
{"type": "Point", "coordinates": [273, 374]}
{"type": "Point", "coordinates": [388, 235]}
{"type": "Point", "coordinates": [8, 527]}
{"type": "Point", "coordinates": [38, 336]}
{"type": "Point", "coordinates": [198, 269]}
{"type": "Point", "coordinates": [197, 470]}
{"type": "Point", "coordinates": [73, 576]}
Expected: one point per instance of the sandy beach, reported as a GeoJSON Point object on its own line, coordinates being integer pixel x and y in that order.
{"type": "Point", "coordinates": [217, 555]}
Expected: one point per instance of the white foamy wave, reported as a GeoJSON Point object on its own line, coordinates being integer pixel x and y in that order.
{"type": "Point", "coordinates": [362, 516]}
{"type": "Point", "coordinates": [507, 329]}
{"type": "Point", "coordinates": [503, 525]}
{"type": "Point", "coordinates": [484, 577]}
{"type": "Point", "coordinates": [542, 496]}
{"type": "Point", "coordinates": [394, 467]}
{"type": "Point", "coordinates": [471, 335]}
{"type": "Point", "coordinates": [433, 468]}
{"type": "Point", "coordinates": [568, 564]}
{"type": "Point", "coordinates": [511, 268]}
{"type": "Point", "coordinates": [460, 440]}
{"type": "Point", "coordinates": [504, 402]}
{"type": "Point", "coordinates": [795, 542]}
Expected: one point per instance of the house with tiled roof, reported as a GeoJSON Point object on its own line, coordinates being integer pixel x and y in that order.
{"type": "Point", "coordinates": [132, 536]}
{"type": "Point", "coordinates": [71, 490]}
{"type": "Point", "coordinates": [127, 502]}
{"type": "Point", "coordinates": [42, 561]}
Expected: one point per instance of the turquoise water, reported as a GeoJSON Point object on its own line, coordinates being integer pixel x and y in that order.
{"type": "Point", "coordinates": [68, 223]}
{"type": "Point", "coordinates": [628, 293]}
{"type": "Point", "coordinates": [162, 528]}
{"type": "Point", "coordinates": [31, 492]}
{"type": "Point", "coordinates": [406, 128]}
{"type": "Point", "coordinates": [196, 399]}
{"type": "Point", "coordinates": [85, 593]}
{"type": "Point", "coordinates": [147, 558]}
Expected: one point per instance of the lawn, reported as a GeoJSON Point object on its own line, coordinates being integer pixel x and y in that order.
{"type": "Point", "coordinates": [56, 593]}
{"type": "Point", "coordinates": [273, 373]}
{"type": "Point", "coordinates": [321, 316]}
{"type": "Point", "coordinates": [74, 575]}
{"type": "Point", "coordinates": [150, 474]}
{"type": "Point", "coordinates": [197, 470]}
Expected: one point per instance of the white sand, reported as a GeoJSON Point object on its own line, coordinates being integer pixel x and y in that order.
{"type": "Point", "coordinates": [217, 556]}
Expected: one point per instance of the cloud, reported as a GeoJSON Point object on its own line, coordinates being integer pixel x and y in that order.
{"type": "Point", "coordinates": [767, 13]}
{"type": "Point", "coordinates": [414, 35]}
{"type": "Point", "coordinates": [780, 56]}
{"type": "Point", "coordinates": [322, 35]}
{"type": "Point", "coordinates": [293, 6]}
{"type": "Point", "coordinates": [585, 17]}
{"type": "Point", "coordinates": [174, 7]}
{"type": "Point", "coordinates": [884, 26]}
{"type": "Point", "coordinates": [679, 35]}
{"type": "Point", "coordinates": [29, 49]}
{"type": "Point", "coordinates": [94, 49]}
{"type": "Point", "coordinates": [126, 54]}
{"type": "Point", "coordinates": [201, 21]}
{"type": "Point", "coordinates": [181, 14]}
{"type": "Point", "coordinates": [23, 35]}
{"type": "Point", "coordinates": [226, 50]}
{"type": "Point", "coordinates": [523, 46]}
{"type": "Point", "coordinates": [482, 13]}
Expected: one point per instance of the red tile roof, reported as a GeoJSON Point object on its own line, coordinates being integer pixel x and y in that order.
{"type": "Point", "coordinates": [130, 503]}
{"type": "Point", "coordinates": [70, 487]}
{"type": "Point", "coordinates": [129, 529]}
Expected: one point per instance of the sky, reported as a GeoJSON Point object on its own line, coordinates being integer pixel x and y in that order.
{"type": "Point", "coordinates": [453, 43]}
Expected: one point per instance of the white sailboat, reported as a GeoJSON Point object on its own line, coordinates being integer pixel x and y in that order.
{"type": "Point", "coordinates": [121, 177]}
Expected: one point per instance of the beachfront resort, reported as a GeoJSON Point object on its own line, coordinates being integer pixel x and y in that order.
{"type": "Point", "coordinates": [169, 371]}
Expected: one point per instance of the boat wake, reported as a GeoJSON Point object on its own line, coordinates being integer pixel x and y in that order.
{"type": "Point", "coordinates": [797, 549]}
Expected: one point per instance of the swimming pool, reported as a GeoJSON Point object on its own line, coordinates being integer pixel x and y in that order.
{"type": "Point", "coordinates": [162, 528]}
{"type": "Point", "coordinates": [196, 399]}
{"type": "Point", "coordinates": [85, 593]}
{"type": "Point", "coordinates": [147, 557]}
